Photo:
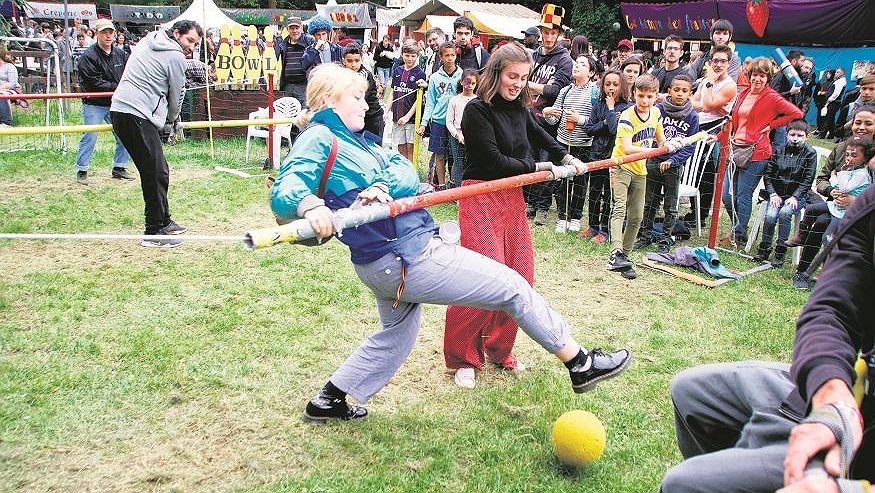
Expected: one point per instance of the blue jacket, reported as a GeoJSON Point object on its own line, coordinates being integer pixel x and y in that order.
{"type": "Point", "coordinates": [311, 56]}
{"type": "Point", "coordinates": [602, 127]}
{"type": "Point", "coordinates": [359, 164]}
{"type": "Point", "coordinates": [441, 87]}
{"type": "Point", "coordinates": [679, 128]}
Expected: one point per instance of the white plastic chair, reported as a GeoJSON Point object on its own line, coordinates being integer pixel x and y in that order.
{"type": "Point", "coordinates": [691, 178]}
{"type": "Point", "coordinates": [287, 107]}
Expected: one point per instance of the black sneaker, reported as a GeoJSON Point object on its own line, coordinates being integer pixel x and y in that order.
{"type": "Point", "coordinates": [642, 242]}
{"type": "Point", "coordinates": [801, 281]}
{"type": "Point", "coordinates": [82, 178]}
{"type": "Point", "coordinates": [598, 366]}
{"type": "Point", "coordinates": [121, 174]}
{"type": "Point", "coordinates": [324, 407]}
{"type": "Point", "coordinates": [618, 261]}
{"type": "Point", "coordinates": [157, 243]}
{"type": "Point", "coordinates": [172, 228]}
{"type": "Point", "coordinates": [629, 273]}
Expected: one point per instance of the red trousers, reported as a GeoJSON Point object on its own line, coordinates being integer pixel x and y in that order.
{"type": "Point", "coordinates": [494, 225]}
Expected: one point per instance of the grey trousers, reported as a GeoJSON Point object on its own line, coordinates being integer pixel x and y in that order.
{"type": "Point", "coordinates": [729, 429]}
{"type": "Point", "coordinates": [444, 274]}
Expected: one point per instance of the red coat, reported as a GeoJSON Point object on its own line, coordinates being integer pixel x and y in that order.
{"type": "Point", "coordinates": [770, 109]}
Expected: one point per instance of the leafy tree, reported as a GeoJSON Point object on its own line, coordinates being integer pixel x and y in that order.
{"type": "Point", "coordinates": [595, 19]}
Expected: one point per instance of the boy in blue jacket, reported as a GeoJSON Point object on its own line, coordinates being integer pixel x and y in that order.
{"type": "Point", "coordinates": [664, 173]}
{"type": "Point", "coordinates": [441, 88]}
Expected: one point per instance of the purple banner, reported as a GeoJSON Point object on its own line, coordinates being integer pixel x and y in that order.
{"type": "Point", "coordinates": [790, 22]}
{"type": "Point", "coordinates": [691, 20]}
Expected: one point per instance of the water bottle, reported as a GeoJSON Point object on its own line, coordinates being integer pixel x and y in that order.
{"type": "Point", "coordinates": [450, 232]}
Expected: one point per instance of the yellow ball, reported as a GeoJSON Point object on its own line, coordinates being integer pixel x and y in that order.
{"type": "Point", "coordinates": [578, 438]}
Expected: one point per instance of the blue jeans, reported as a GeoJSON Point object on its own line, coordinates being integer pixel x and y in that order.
{"type": "Point", "coordinates": [457, 150]}
{"type": "Point", "coordinates": [740, 201]}
{"type": "Point", "coordinates": [780, 216]}
{"type": "Point", "coordinates": [779, 138]}
{"type": "Point", "coordinates": [385, 75]}
{"type": "Point", "coordinates": [5, 113]}
{"type": "Point", "coordinates": [94, 115]}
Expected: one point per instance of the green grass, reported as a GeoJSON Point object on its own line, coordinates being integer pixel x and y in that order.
{"type": "Point", "coordinates": [129, 369]}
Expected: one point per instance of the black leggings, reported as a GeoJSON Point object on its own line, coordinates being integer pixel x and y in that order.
{"type": "Point", "coordinates": [599, 204]}
{"type": "Point", "coordinates": [813, 226]}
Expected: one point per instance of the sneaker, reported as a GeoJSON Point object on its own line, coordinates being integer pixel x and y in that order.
{"type": "Point", "coordinates": [795, 241]}
{"type": "Point", "coordinates": [465, 378]}
{"type": "Point", "coordinates": [156, 243]}
{"type": "Point", "coordinates": [82, 178]}
{"type": "Point", "coordinates": [324, 407]}
{"type": "Point", "coordinates": [779, 257]}
{"type": "Point", "coordinates": [629, 273]}
{"type": "Point", "coordinates": [601, 237]}
{"type": "Point", "coordinates": [801, 281]}
{"type": "Point", "coordinates": [574, 225]}
{"type": "Point", "coordinates": [540, 218]}
{"type": "Point", "coordinates": [618, 261]}
{"type": "Point", "coordinates": [172, 228]}
{"type": "Point", "coordinates": [596, 366]}
{"type": "Point", "coordinates": [662, 247]}
{"type": "Point", "coordinates": [588, 233]}
{"type": "Point", "coordinates": [642, 242]}
{"type": "Point", "coordinates": [561, 226]}
{"type": "Point", "coordinates": [121, 174]}
{"type": "Point", "coordinates": [530, 211]}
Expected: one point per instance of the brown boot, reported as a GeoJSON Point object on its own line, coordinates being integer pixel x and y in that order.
{"type": "Point", "coordinates": [795, 241]}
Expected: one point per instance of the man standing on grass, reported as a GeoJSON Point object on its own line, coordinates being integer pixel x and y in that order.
{"type": "Point", "coordinates": [149, 98]}
{"type": "Point", "coordinates": [100, 69]}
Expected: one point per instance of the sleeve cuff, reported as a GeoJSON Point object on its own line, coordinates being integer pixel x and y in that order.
{"type": "Point", "coordinates": [309, 203]}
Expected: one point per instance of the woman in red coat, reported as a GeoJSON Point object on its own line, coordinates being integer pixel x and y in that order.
{"type": "Point", "coordinates": [759, 109]}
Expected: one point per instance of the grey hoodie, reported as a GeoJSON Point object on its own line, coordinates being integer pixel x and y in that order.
{"type": "Point", "coordinates": [152, 86]}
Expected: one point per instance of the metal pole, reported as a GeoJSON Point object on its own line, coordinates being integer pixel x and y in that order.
{"type": "Point", "coordinates": [718, 185]}
{"type": "Point", "coordinates": [106, 127]}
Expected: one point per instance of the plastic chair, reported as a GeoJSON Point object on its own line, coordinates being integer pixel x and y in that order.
{"type": "Point", "coordinates": [691, 178]}
{"type": "Point", "coordinates": [287, 107]}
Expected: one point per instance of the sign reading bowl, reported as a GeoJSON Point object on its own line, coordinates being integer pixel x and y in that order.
{"type": "Point", "coordinates": [41, 10]}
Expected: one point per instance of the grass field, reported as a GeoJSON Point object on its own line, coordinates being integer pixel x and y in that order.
{"type": "Point", "coordinates": [130, 369]}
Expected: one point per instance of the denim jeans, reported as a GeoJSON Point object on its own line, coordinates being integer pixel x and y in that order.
{"type": "Point", "coordinates": [779, 137]}
{"type": "Point", "coordinates": [740, 201]}
{"type": "Point", "coordinates": [385, 75]}
{"type": "Point", "coordinates": [94, 115]}
{"type": "Point", "coordinates": [457, 151]}
{"type": "Point", "coordinates": [780, 216]}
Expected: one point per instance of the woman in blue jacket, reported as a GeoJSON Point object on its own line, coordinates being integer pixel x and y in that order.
{"type": "Point", "coordinates": [401, 259]}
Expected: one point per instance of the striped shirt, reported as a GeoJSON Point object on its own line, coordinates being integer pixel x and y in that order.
{"type": "Point", "coordinates": [578, 98]}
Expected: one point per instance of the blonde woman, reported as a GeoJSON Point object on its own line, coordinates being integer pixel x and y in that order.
{"type": "Point", "coordinates": [400, 259]}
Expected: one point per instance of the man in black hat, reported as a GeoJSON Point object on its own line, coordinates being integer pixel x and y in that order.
{"type": "Point", "coordinates": [531, 38]}
{"type": "Point", "coordinates": [294, 78]}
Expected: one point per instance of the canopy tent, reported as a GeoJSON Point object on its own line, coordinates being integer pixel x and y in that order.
{"type": "Point", "coordinates": [443, 22]}
{"type": "Point", "coordinates": [787, 22]}
{"type": "Point", "coordinates": [348, 15]}
{"type": "Point", "coordinates": [205, 13]}
{"type": "Point", "coordinates": [491, 19]}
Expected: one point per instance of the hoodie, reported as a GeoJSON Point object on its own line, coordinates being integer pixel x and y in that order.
{"type": "Point", "coordinates": [441, 88]}
{"type": "Point", "coordinates": [554, 71]}
{"type": "Point", "coordinates": [152, 86]}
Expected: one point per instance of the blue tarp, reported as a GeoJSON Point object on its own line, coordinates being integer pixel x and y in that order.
{"type": "Point", "coordinates": [824, 59]}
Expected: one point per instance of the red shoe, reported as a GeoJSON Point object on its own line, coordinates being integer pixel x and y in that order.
{"type": "Point", "coordinates": [587, 233]}
{"type": "Point", "coordinates": [600, 238]}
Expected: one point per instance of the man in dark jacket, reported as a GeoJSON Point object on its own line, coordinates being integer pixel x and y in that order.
{"type": "Point", "coordinates": [757, 426]}
{"type": "Point", "coordinates": [100, 69]}
{"type": "Point", "coordinates": [470, 53]}
{"type": "Point", "coordinates": [322, 50]}
{"type": "Point", "coordinates": [294, 78]}
{"type": "Point", "coordinates": [550, 73]}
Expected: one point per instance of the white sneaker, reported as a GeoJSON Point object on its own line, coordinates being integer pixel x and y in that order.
{"type": "Point", "coordinates": [465, 378]}
{"type": "Point", "coordinates": [574, 225]}
{"type": "Point", "coordinates": [561, 226]}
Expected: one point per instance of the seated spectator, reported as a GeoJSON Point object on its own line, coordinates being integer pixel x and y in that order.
{"type": "Point", "coordinates": [8, 85]}
{"type": "Point", "coordinates": [788, 180]}
{"type": "Point", "coordinates": [742, 427]}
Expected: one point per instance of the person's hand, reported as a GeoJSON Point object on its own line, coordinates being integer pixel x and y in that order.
{"type": "Point", "coordinates": [321, 44]}
{"type": "Point", "coordinates": [422, 83]}
{"type": "Point", "coordinates": [845, 200]}
{"type": "Point", "coordinates": [551, 111]}
{"type": "Point", "coordinates": [321, 220]}
{"type": "Point", "coordinates": [573, 115]}
{"type": "Point", "coordinates": [792, 203]}
{"type": "Point", "coordinates": [421, 130]}
{"type": "Point", "coordinates": [795, 90]}
{"type": "Point", "coordinates": [610, 101]}
{"type": "Point", "coordinates": [374, 193]}
{"type": "Point", "coordinates": [836, 193]}
{"type": "Point", "coordinates": [775, 201]}
{"type": "Point", "coordinates": [461, 139]}
{"type": "Point", "coordinates": [664, 166]}
{"type": "Point", "coordinates": [674, 144]}
{"type": "Point", "coordinates": [812, 484]}
{"type": "Point", "coordinates": [402, 121]}
{"type": "Point", "coordinates": [823, 111]}
{"type": "Point", "coordinates": [766, 130]}
{"type": "Point", "coordinates": [553, 169]}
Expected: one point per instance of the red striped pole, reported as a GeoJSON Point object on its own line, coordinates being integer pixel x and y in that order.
{"type": "Point", "coordinates": [63, 95]}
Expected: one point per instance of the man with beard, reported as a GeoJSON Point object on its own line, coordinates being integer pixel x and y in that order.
{"type": "Point", "coordinates": [470, 53]}
{"type": "Point", "coordinates": [531, 38]}
{"type": "Point", "coordinates": [550, 73]}
{"type": "Point", "coordinates": [673, 48]}
{"type": "Point", "coordinates": [435, 37]}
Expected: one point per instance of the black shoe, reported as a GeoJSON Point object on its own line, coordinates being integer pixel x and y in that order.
{"type": "Point", "coordinates": [618, 261]}
{"type": "Point", "coordinates": [801, 281]}
{"type": "Point", "coordinates": [530, 211]}
{"type": "Point", "coordinates": [121, 174]}
{"type": "Point", "coordinates": [597, 366]}
{"type": "Point", "coordinates": [82, 178]}
{"type": "Point", "coordinates": [156, 243]}
{"type": "Point", "coordinates": [629, 273]}
{"type": "Point", "coordinates": [172, 228]}
{"type": "Point", "coordinates": [642, 242]}
{"type": "Point", "coordinates": [779, 257]}
{"type": "Point", "coordinates": [324, 407]}
{"type": "Point", "coordinates": [763, 253]}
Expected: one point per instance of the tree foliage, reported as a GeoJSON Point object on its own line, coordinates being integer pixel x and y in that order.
{"type": "Point", "coordinates": [595, 19]}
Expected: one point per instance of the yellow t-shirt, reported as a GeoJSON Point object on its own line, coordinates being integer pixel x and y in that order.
{"type": "Point", "coordinates": [643, 133]}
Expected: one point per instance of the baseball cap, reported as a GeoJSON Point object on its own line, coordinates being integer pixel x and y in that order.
{"type": "Point", "coordinates": [532, 31]}
{"type": "Point", "coordinates": [294, 21]}
{"type": "Point", "coordinates": [625, 43]}
{"type": "Point", "coordinates": [103, 24]}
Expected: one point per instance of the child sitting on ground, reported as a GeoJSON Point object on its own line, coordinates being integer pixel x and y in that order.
{"type": "Point", "coordinates": [571, 111]}
{"type": "Point", "coordinates": [638, 130]}
{"type": "Point", "coordinates": [664, 173]}
{"type": "Point", "coordinates": [788, 178]}
{"type": "Point", "coordinates": [602, 127]}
